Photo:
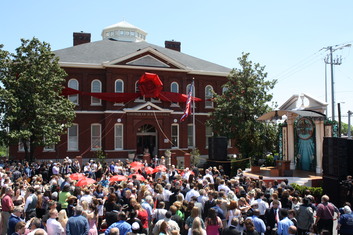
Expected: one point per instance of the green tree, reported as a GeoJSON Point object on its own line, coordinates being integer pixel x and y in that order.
{"type": "Point", "coordinates": [344, 129]}
{"type": "Point", "coordinates": [245, 98]}
{"type": "Point", "coordinates": [33, 111]}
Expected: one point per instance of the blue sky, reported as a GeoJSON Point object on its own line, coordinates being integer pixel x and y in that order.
{"type": "Point", "coordinates": [285, 36]}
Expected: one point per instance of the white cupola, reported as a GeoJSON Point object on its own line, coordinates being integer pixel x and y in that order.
{"type": "Point", "coordinates": [123, 31]}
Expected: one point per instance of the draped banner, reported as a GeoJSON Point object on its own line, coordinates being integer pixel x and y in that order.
{"type": "Point", "coordinates": [150, 86]}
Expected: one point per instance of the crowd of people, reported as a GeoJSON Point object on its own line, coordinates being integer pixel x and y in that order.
{"type": "Point", "coordinates": [125, 198]}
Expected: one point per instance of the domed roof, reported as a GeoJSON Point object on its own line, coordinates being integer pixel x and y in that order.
{"type": "Point", "coordinates": [122, 24]}
{"type": "Point", "coordinates": [124, 31]}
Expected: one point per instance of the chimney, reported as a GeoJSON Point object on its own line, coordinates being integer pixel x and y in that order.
{"type": "Point", "coordinates": [173, 45]}
{"type": "Point", "coordinates": [81, 38]}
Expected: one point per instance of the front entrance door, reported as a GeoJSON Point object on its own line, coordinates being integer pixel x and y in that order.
{"type": "Point", "coordinates": [146, 140]}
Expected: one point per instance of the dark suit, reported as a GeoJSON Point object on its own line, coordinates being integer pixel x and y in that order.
{"type": "Point", "coordinates": [270, 219]}
{"type": "Point", "coordinates": [208, 205]}
{"type": "Point", "coordinates": [231, 231]}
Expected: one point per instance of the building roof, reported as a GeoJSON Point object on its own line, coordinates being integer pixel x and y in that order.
{"type": "Point", "coordinates": [105, 52]}
{"type": "Point", "coordinates": [123, 24]}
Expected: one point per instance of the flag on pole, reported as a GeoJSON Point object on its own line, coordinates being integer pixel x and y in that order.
{"type": "Point", "coordinates": [188, 103]}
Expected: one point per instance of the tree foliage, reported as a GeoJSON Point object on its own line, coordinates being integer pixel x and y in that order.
{"type": "Point", "coordinates": [245, 98]}
{"type": "Point", "coordinates": [33, 111]}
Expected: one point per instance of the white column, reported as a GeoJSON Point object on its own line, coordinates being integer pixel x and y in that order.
{"type": "Point", "coordinates": [319, 138]}
{"type": "Point", "coordinates": [290, 124]}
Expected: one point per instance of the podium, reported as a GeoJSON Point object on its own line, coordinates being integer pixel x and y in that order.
{"type": "Point", "coordinates": [282, 167]}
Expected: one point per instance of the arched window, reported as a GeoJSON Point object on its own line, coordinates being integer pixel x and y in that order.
{"type": "Point", "coordinates": [96, 87]}
{"type": "Point", "coordinates": [224, 89]}
{"type": "Point", "coordinates": [119, 86]}
{"type": "Point", "coordinates": [174, 87]}
{"type": "Point", "coordinates": [137, 90]}
{"type": "Point", "coordinates": [208, 96]}
{"type": "Point", "coordinates": [73, 83]}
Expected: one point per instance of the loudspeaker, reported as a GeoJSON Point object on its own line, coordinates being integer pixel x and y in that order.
{"type": "Point", "coordinates": [333, 188]}
{"type": "Point", "coordinates": [218, 148]}
{"type": "Point", "coordinates": [337, 157]}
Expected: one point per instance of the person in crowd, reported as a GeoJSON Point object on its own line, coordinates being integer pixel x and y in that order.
{"type": "Point", "coordinates": [7, 206]}
{"type": "Point", "coordinates": [272, 217]}
{"type": "Point", "coordinates": [14, 219]}
{"type": "Point", "coordinates": [20, 228]}
{"type": "Point", "coordinates": [305, 217]}
{"type": "Point", "coordinates": [197, 227]}
{"type": "Point", "coordinates": [54, 227]}
{"type": "Point", "coordinates": [62, 218]}
{"type": "Point", "coordinates": [213, 222]}
{"type": "Point", "coordinates": [232, 228]}
{"type": "Point", "coordinates": [325, 214]}
{"type": "Point", "coordinates": [172, 225]}
{"type": "Point", "coordinates": [77, 224]}
{"type": "Point", "coordinates": [259, 224]}
{"type": "Point", "coordinates": [292, 230]}
{"type": "Point", "coordinates": [249, 228]}
{"type": "Point", "coordinates": [36, 226]}
{"type": "Point", "coordinates": [345, 222]}
{"type": "Point", "coordinates": [123, 226]}
{"type": "Point", "coordinates": [31, 203]}
{"type": "Point", "coordinates": [285, 223]}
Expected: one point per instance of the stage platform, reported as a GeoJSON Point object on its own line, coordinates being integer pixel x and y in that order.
{"type": "Point", "coordinates": [307, 178]}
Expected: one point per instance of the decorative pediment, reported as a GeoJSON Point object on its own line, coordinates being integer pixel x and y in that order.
{"type": "Point", "coordinates": [148, 61]}
{"type": "Point", "coordinates": [303, 102]}
{"type": "Point", "coordinates": [148, 57]}
{"type": "Point", "coordinates": [148, 107]}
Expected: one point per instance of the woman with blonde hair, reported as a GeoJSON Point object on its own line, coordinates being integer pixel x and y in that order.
{"type": "Point", "coordinates": [195, 213]}
{"type": "Point", "coordinates": [62, 218]}
{"type": "Point", "coordinates": [197, 227]}
{"type": "Point", "coordinates": [232, 212]}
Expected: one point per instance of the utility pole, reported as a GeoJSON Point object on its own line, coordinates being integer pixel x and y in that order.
{"type": "Point", "coordinates": [338, 61]}
{"type": "Point", "coordinates": [349, 125]}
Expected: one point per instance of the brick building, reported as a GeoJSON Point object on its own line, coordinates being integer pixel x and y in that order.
{"type": "Point", "coordinates": [114, 65]}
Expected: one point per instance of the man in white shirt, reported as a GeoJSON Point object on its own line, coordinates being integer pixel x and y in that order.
{"type": "Point", "coordinates": [223, 186]}
{"type": "Point", "coordinates": [261, 203]}
{"type": "Point", "coordinates": [193, 192]}
{"type": "Point", "coordinates": [53, 226]}
{"type": "Point", "coordinates": [55, 169]}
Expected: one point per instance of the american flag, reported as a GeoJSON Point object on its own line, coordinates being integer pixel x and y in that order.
{"type": "Point", "coordinates": [188, 104]}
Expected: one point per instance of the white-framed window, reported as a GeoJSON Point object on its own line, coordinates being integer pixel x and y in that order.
{"type": "Point", "coordinates": [96, 136]}
{"type": "Point", "coordinates": [119, 88]}
{"type": "Point", "coordinates": [137, 90]}
{"type": "Point", "coordinates": [21, 147]}
{"type": "Point", "coordinates": [73, 83]}
{"type": "Point", "coordinates": [224, 89]}
{"type": "Point", "coordinates": [96, 87]}
{"type": "Point", "coordinates": [175, 136]}
{"type": "Point", "coordinates": [190, 136]}
{"type": "Point", "coordinates": [72, 138]}
{"type": "Point", "coordinates": [174, 87]}
{"type": "Point", "coordinates": [208, 96]}
{"type": "Point", "coordinates": [49, 147]}
{"type": "Point", "coordinates": [118, 136]}
{"type": "Point", "coordinates": [209, 133]}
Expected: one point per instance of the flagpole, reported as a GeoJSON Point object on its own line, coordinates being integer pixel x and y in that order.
{"type": "Point", "coordinates": [193, 116]}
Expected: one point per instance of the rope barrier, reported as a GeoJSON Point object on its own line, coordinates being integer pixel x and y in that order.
{"type": "Point", "coordinates": [231, 161]}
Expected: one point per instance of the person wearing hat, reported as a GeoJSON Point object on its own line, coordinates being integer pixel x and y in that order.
{"type": "Point", "coordinates": [345, 222]}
